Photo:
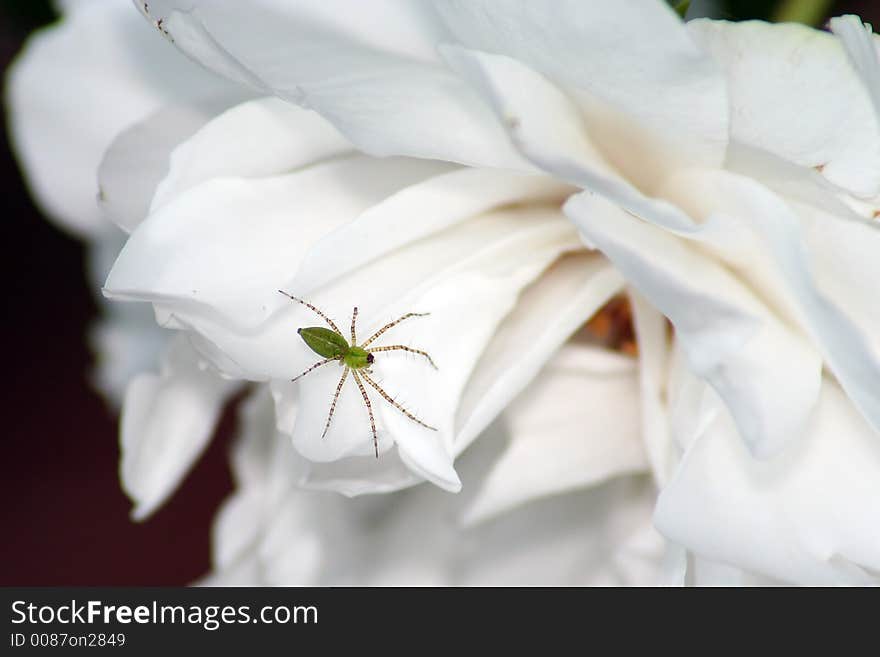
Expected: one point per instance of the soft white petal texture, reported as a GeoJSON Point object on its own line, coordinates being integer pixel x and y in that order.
{"type": "Point", "coordinates": [125, 340]}
{"type": "Point", "coordinates": [126, 343]}
{"type": "Point", "coordinates": [271, 533]}
{"type": "Point", "coordinates": [263, 137]}
{"type": "Point", "coordinates": [75, 86]}
{"type": "Point", "coordinates": [843, 259]}
{"type": "Point", "coordinates": [572, 427]}
{"type": "Point", "coordinates": [704, 572]}
{"type": "Point", "coordinates": [561, 143]}
{"type": "Point", "coordinates": [419, 211]}
{"type": "Point", "coordinates": [359, 475]}
{"type": "Point", "coordinates": [632, 67]}
{"type": "Point", "coordinates": [264, 468]}
{"type": "Point", "coordinates": [230, 243]}
{"type": "Point", "coordinates": [683, 568]}
{"type": "Point", "coordinates": [773, 245]}
{"type": "Point", "coordinates": [167, 421]}
{"type": "Point", "coordinates": [138, 159]}
{"type": "Point", "coordinates": [651, 329]}
{"type": "Point", "coordinates": [793, 93]}
{"type": "Point", "coordinates": [400, 27]}
{"type": "Point", "coordinates": [546, 314]}
{"type": "Point", "coordinates": [863, 49]}
{"type": "Point", "coordinates": [808, 516]}
{"type": "Point", "coordinates": [794, 182]}
{"type": "Point", "coordinates": [864, 53]}
{"type": "Point", "coordinates": [372, 73]}
{"type": "Point", "coordinates": [767, 373]}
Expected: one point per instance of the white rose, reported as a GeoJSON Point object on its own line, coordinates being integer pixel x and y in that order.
{"type": "Point", "coordinates": [169, 416]}
{"type": "Point", "coordinates": [268, 196]}
{"type": "Point", "coordinates": [735, 198]}
{"type": "Point", "coordinates": [731, 196]}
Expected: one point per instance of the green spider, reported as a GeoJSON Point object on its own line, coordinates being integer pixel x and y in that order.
{"type": "Point", "coordinates": [355, 358]}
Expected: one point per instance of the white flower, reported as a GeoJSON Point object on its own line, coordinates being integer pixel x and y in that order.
{"type": "Point", "coordinates": [487, 252]}
{"type": "Point", "coordinates": [724, 185]}
{"type": "Point", "coordinates": [731, 173]}
{"type": "Point", "coordinates": [498, 231]}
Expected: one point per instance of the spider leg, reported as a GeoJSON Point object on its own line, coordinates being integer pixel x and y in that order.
{"type": "Point", "coordinates": [369, 411]}
{"type": "Point", "coordinates": [354, 314]}
{"type": "Point", "coordinates": [335, 399]}
{"type": "Point", "coordinates": [311, 307]}
{"type": "Point", "coordinates": [400, 347]}
{"type": "Point", "coordinates": [391, 401]}
{"type": "Point", "coordinates": [314, 367]}
{"type": "Point", "coordinates": [391, 325]}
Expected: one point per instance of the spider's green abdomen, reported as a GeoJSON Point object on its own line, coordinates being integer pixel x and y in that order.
{"type": "Point", "coordinates": [324, 342]}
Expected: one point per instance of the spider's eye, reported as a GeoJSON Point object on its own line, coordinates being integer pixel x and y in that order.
{"type": "Point", "coordinates": [370, 358]}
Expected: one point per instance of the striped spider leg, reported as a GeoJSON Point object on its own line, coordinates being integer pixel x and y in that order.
{"type": "Point", "coordinates": [355, 359]}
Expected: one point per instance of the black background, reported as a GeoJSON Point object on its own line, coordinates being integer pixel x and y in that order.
{"type": "Point", "coordinates": [64, 518]}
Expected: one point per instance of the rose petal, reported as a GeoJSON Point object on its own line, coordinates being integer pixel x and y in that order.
{"type": "Point", "coordinates": [67, 101]}
{"type": "Point", "coordinates": [861, 47]}
{"type": "Point", "coordinates": [557, 140]}
{"type": "Point", "coordinates": [766, 373]}
{"type": "Point", "coordinates": [230, 243]}
{"type": "Point", "coordinates": [138, 158]}
{"type": "Point", "coordinates": [418, 211]}
{"type": "Point", "coordinates": [558, 446]}
{"type": "Point", "coordinates": [806, 516]}
{"type": "Point", "coordinates": [567, 295]}
{"type": "Point", "coordinates": [651, 329]}
{"type": "Point", "coordinates": [258, 458]}
{"type": "Point", "coordinates": [166, 422]}
{"type": "Point", "coordinates": [359, 475]}
{"type": "Point", "coordinates": [631, 66]}
{"type": "Point", "coordinates": [373, 74]}
{"type": "Point", "coordinates": [773, 72]}
{"type": "Point", "coordinates": [259, 138]}
{"type": "Point", "coordinates": [772, 240]}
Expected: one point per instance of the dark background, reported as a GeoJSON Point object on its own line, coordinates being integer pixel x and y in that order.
{"type": "Point", "coordinates": [64, 518]}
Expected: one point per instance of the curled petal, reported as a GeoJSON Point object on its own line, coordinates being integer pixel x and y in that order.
{"type": "Point", "coordinates": [572, 428]}
{"type": "Point", "coordinates": [570, 292]}
{"type": "Point", "coordinates": [259, 138]}
{"type": "Point", "coordinates": [780, 248]}
{"type": "Point", "coordinates": [138, 158]}
{"type": "Point", "coordinates": [638, 78]}
{"type": "Point", "coordinates": [166, 423]}
{"type": "Point", "coordinates": [228, 243]}
{"type": "Point", "coordinates": [772, 73]}
{"type": "Point", "coordinates": [806, 516]}
{"type": "Point", "coordinates": [766, 373]}
{"type": "Point", "coordinates": [862, 48]}
{"type": "Point", "coordinates": [138, 74]}
{"type": "Point", "coordinates": [372, 73]}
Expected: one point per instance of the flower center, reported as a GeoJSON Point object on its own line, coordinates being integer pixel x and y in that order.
{"type": "Point", "coordinates": [612, 327]}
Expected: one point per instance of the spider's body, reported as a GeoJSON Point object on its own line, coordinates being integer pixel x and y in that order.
{"type": "Point", "coordinates": [355, 358]}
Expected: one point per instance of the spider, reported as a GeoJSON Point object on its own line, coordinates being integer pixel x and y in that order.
{"type": "Point", "coordinates": [355, 358]}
